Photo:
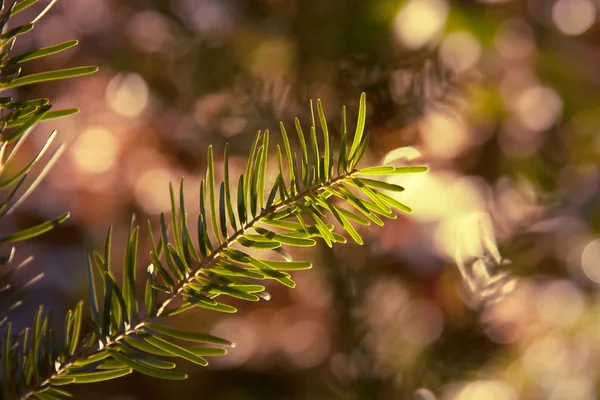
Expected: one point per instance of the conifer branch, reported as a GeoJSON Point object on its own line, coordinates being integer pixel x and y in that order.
{"type": "Point", "coordinates": [123, 339]}
{"type": "Point", "coordinates": [229, 259]}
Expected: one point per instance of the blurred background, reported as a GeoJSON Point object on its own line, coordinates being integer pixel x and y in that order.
{"type": "Point", "coordinates": [501, 98]}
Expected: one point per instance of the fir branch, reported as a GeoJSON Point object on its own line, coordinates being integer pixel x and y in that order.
{"type": "Point", "coordinates": [292, 211]}
{"type": "Point", "coordinates": [207, 263]}
{"type": "Point", "coordinates": [123, 339]}
{"type": "Point", "coordinates": [17, 120]}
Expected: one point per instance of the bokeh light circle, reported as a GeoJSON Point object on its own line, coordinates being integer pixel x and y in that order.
{"type": "Point", "coordinates": [574, 17]}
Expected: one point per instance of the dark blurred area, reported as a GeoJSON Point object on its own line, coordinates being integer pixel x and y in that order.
{"type": "Point", "coordinates": [501, 98]}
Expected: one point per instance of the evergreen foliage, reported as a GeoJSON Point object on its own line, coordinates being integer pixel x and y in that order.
{"type": "Point", "coordinates": [17, 120]}
{"type": "Point", "coordinates": [229, 247]}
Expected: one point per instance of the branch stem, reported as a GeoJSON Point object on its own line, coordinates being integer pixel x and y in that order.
{"type": "Point", "coordinates": [206, 263]}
